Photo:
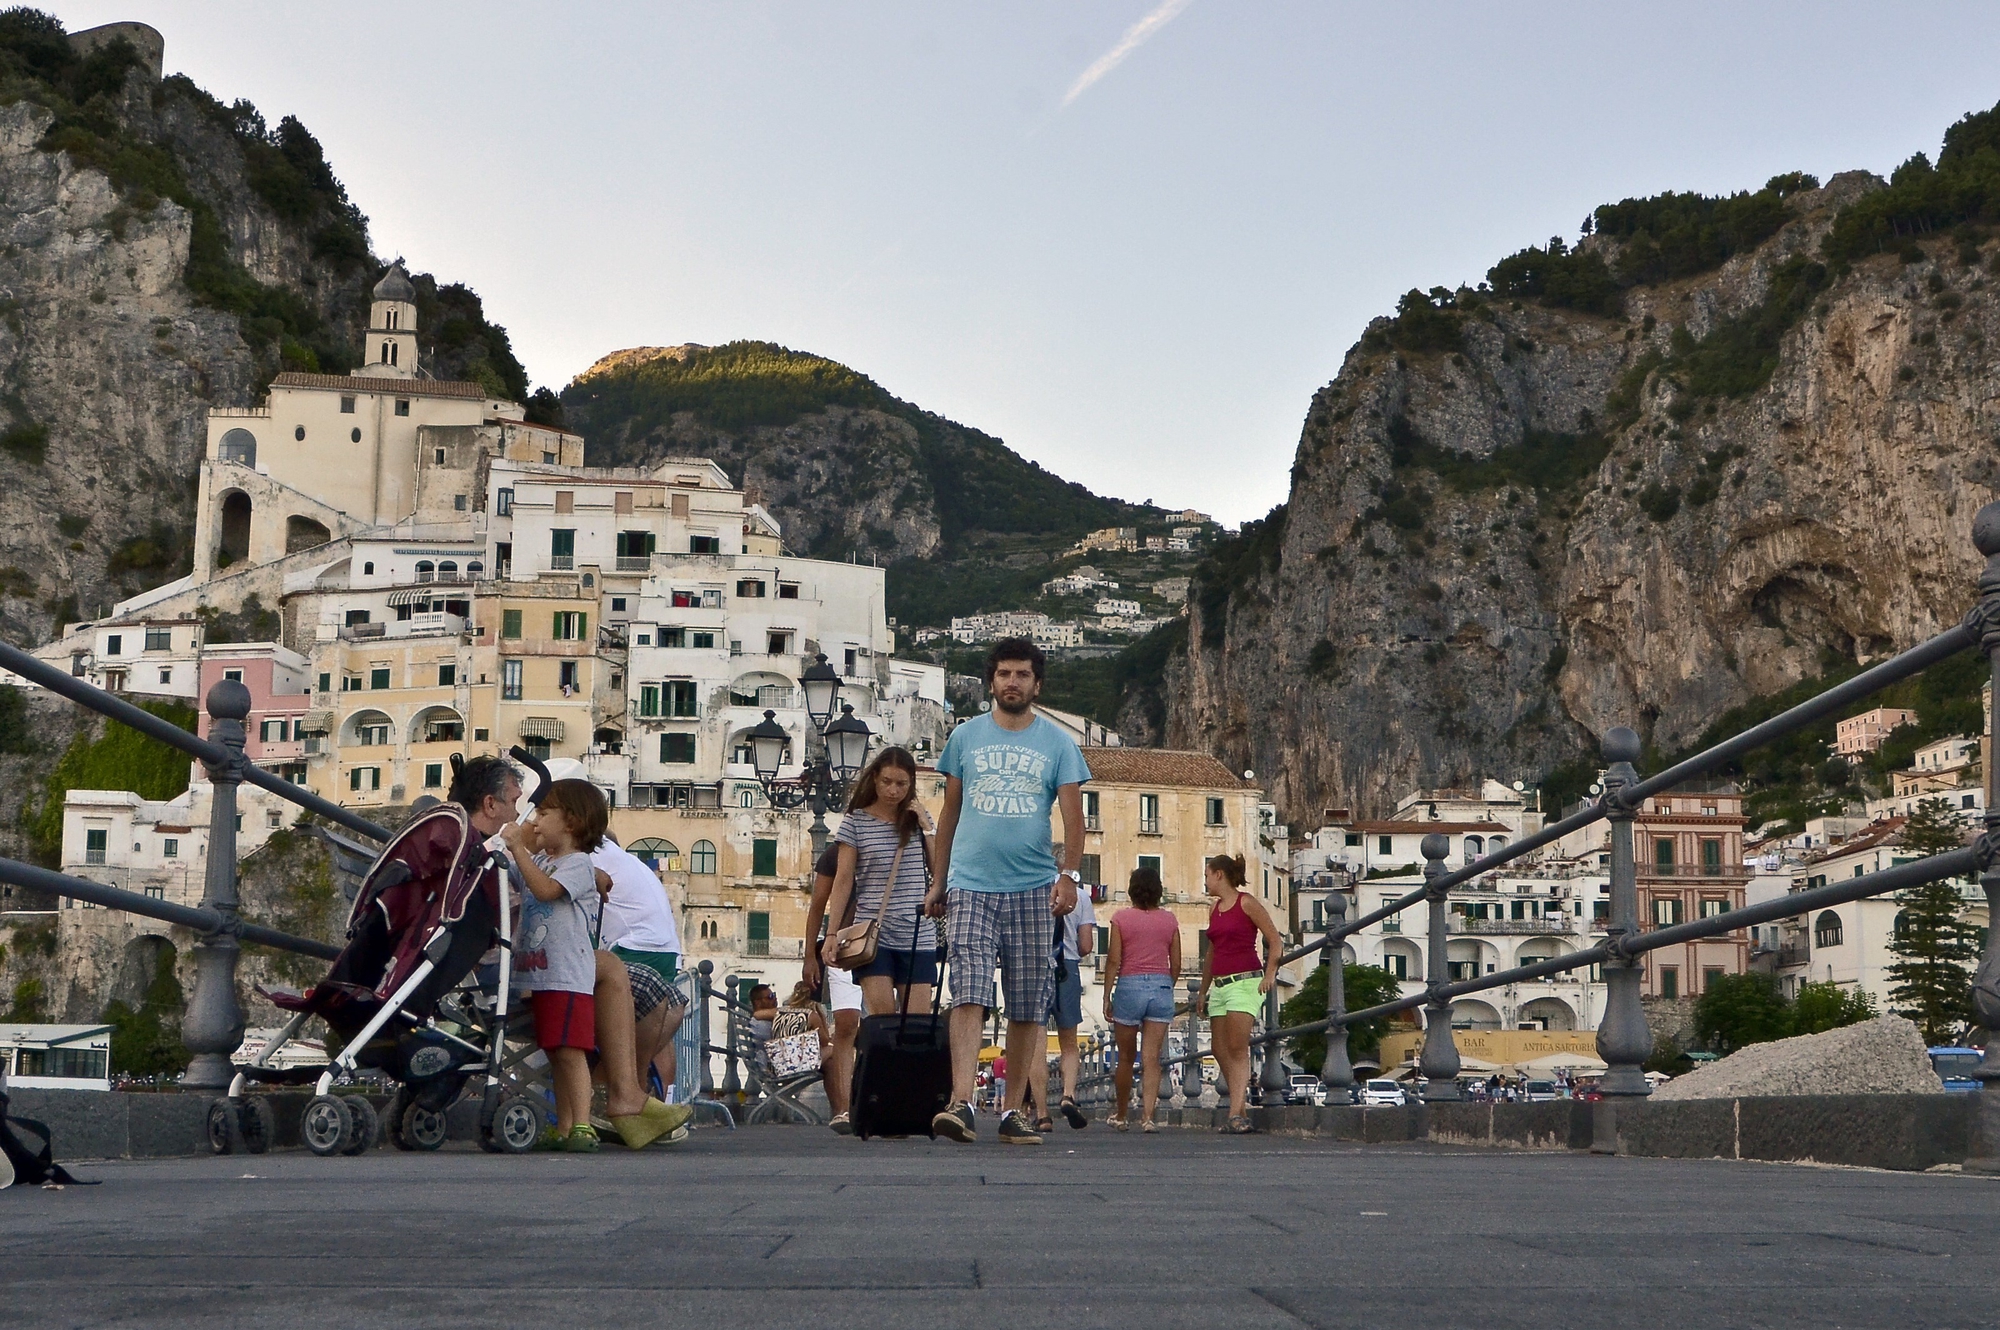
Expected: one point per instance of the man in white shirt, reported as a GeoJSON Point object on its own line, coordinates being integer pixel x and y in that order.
{"type": "Point", "coordinates": [639, 929]}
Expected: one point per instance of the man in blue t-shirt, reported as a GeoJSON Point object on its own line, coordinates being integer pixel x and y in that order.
{"type": "Point", "coordinates": [1003, 772]}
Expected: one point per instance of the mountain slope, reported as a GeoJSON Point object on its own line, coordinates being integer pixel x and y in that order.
{"type": "Point", "coordinates": [163, 253]}
{"type": "Point", "coordinates": [1718, 447]}
{"type": "Point", "coordinates": [964, 522]}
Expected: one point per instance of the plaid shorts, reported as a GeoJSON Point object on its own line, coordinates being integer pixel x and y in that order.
{"type": "Point", "coordinates": [1011, 929]}
{"type": "Point", "coordinates": [649, 990]}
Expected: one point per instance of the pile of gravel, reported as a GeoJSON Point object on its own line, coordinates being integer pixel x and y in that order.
{"type": "Point", "coordinates": [1883, 1056]}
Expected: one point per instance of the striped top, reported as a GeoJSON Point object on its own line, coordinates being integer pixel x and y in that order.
{"type": "Point", "coordinates": [875, 843]}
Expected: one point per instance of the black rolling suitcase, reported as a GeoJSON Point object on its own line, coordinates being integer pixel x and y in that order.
{"type": "Point", "coordinates": [902, 1066]}
{"type": "Point", "coordinates": [902, 1073]}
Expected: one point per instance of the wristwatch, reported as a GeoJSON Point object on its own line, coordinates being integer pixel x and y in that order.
{"type": "Point", "coordinates": [1072, 875]}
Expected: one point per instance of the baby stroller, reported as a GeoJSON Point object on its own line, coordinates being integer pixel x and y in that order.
{"type": "Point", "coordinates": [405, 997]}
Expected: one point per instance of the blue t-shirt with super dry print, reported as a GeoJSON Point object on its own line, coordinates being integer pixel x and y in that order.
{"type": "Point", "coordinates": [1010, 778]}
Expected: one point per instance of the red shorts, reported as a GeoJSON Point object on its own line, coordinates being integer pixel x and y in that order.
{"type": "Point", "coordinates": [565, 1020]}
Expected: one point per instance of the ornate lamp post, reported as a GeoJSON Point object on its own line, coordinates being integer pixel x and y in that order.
{"type": "Point", "coordinates": [842, 751]}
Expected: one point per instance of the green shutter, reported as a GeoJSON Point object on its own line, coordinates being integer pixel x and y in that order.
{"type": "Point", "coordinates": [760, 926]}
{"type": "Point", "coordinates": [764, 858]}
{"type": "Point", "coordinates": [510, 623]}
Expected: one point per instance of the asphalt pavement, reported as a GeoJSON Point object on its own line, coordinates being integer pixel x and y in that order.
{"type": "Point", "coordinates": [791, 1226]}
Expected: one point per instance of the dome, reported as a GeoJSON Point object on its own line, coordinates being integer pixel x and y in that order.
{"type": "Point", "coordinates": [395, 285]}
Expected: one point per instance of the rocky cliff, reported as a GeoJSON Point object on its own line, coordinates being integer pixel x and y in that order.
{"type": "Point", "coordinates": [1587, 494]}
{"type": "Point", "coordinates": [160, 253]}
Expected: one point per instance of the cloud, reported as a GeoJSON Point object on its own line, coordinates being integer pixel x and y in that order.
{"type": "Point", "coordinates": [1134, 37]}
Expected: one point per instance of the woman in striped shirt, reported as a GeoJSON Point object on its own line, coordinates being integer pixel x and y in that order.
{"type": "Point", "coordinates": [882, 830]}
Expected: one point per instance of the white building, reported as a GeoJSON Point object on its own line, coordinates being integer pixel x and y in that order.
{"type": "Point", "coordinates": [1112, 605]}
{"type": "Point", "coordinates": [1848, 945]}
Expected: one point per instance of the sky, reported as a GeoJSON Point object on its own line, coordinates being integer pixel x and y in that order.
{"type": "Point", "coordinates": [1129, 237]}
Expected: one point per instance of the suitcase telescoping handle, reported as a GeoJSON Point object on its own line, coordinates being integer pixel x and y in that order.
{"type": "Point", "coordinates": [937, 989]}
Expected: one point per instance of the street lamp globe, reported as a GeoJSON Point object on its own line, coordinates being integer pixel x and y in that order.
{"type": "Point", "coordinates": [847, 745]}
{"type": "Point", "coordinates": [822, 687]}
{"type": "Point", "coordinates": [767, 747]}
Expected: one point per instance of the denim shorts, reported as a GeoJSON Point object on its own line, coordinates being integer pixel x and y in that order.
{"type": "Point", "coordinates": [901, 967]}
{"type": "Point", "coordinates": [1138, 998]}
{"type": "Point", "coordinates": [1066, 1005]}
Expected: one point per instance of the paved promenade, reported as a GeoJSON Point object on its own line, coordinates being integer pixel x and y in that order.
{"type": "Point", "coordinates": [791, 1227]}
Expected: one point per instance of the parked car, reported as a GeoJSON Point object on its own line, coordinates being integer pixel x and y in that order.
{"type": "Point", "coordinates": [1539, 1092]}
{"type": "Point", "coordinates": [1378, 1094]}
{"type": "Point", "coordinates": [1305, 1090]}
{"type": "Point", "coordinates": [1955, 1066]}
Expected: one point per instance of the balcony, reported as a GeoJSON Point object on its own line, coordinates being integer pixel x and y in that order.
{"type": "Point", "coordinates": [1508, 927]}
{"type": "Point", "coordinates": [779, 948]}
{"type": "Point", "coordinates": [1091, 822]}
{"type": "Point", "coordinates": [562, 563]}
{"type": "Point", "coordinates": [1713, 871]}
{"type": "Point", "coordinates": [1393, 924]}
{"type": "Point", "coordinates": [1793, 954]}
{"type": "Point", "coordinates": [627, 563]}
{"type": "Point", "coordinates": [1148, 826]}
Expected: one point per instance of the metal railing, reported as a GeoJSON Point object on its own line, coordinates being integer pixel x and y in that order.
{"type": "Point", "coordinates": [212, 1027]}
{"type": "Point", "coordinates": [1623, 1040]}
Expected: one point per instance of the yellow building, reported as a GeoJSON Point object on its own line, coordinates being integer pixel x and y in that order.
{"type": "Point", "coordinates": [542, 681]}
{"type": "Point", "coordinates": [387, 714]}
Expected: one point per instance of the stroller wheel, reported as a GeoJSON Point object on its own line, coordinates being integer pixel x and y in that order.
{"type": "Point", "coordinates": [367, 1126]}
{"type": "Point", "coordinates": [420, 1128]}
{"type": "Point", "coordinates": [256, 1124]}
{"type": "Point", "coordinates": [392, 1119]}
{"type": "Point", "coordinates": [327, 1127]}
{"type": "Point", "coordinates": [223, 1135]}
{"type": "Point", "coordinates": [516, 1125]}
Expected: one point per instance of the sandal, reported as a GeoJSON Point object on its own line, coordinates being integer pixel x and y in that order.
{"type": "Point", "coordinates": [1116, 1124]}
{"type": "Point", "coordinates": [1073, 1114]}
{"type": "Point", "coordinates": [1239, 1127]}
{"type": "Point", "coordinates": [1150, 1126]}
{"type": "Point", "coordinates": [1044, 1125]}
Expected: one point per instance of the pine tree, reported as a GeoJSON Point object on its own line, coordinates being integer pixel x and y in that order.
{"type": "Point", "coordinates": [1934, 946]}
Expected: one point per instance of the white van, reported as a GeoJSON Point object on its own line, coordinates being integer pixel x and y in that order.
{"type": "Point", "coordinates": [1377, 1094]}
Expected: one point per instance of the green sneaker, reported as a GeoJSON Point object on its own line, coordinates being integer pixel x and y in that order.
{"type": "Point", "coordinates": [550, 1139]}
{"type": "Point", "coordinates": [582, 1140]}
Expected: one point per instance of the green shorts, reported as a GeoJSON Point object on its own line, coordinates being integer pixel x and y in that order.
{"type": "Point", "coordinates": [665, 964]}
{"type": "Point", "coordinates": [1236, 995]}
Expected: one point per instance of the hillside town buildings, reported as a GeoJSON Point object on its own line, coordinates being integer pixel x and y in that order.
{"type": "Point", "coordinates": [440, 576]}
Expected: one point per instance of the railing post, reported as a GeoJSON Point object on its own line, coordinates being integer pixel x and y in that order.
{"type": "Point", "coordinates": [704, 994]}
{"type": "Point", "coordinates": [1271, 1074]}
{"type": "Point", "coordinates": [213, 1027]}
{"type": "Point", "coordinates": [1439, 1062]}
{"type": "Point", "coordinates": [1985, 1154]}
{"type": "Point", "coordinates": [732, 1078]}
{"type": "Point", "coordinates": [1336, 1072]}
{"type": "Point", "coordinates": [1623, 1040]}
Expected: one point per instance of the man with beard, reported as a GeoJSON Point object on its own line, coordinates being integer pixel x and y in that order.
{"type": "Point", "coordinates": [1003, 772]}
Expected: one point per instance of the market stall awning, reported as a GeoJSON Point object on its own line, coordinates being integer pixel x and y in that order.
{"type": "Point", "coordinates": [542, 727]}
{"type": "Point", "coordinates": [421, 596]}
{"type": "Point", "coordinates": [315, 722]}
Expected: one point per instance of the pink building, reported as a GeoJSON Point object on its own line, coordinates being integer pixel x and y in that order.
{"type": "Point", "coordinates": [1860, 735]}
{"type": "Point", "coordinates": [277, 680]}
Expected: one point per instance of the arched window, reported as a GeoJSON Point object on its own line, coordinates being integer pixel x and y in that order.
{"type": "Point", "coordinates": [426, 570]}
{"type": "Point", "coordinates": [474, 569]}
{"type": "Point", "coordinates": [701, 859]}
{"type": "Point", "coordinates": [239, 446]}
{"type": "Point", "coordinates": [448, 571]}
{"type": "Point", "coordinates": [368, 570]}
{"type": "Point", "coordinates": [1474, 847]}
{"type": "Point", "coordinates": [656, 853]}
{"type": "Point", "coordinates": [1826, 930]}
{"type": "Point", "coordinates": [1494, 844]}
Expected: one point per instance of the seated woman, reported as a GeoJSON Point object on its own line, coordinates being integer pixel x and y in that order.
{"type": "Point", "coordinates": [800, 1015]}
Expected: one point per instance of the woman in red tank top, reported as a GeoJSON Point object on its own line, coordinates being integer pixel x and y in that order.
{"type": "Point", "coordinates": [1234, 979]}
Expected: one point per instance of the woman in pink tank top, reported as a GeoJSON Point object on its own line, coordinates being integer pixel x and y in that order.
{"type": "Point", "coordinates": [1139, 991]}
{"type": "Point", "coordinates": [1234, 979]}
